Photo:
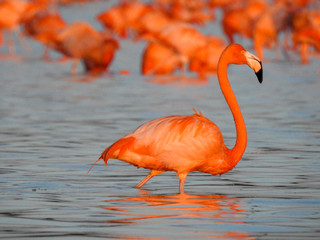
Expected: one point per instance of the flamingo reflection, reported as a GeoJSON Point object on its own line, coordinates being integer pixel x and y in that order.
{"type": "Point", "coordinates": [220, 208]}
{"type": "Point", "coordinates": [178, 81]}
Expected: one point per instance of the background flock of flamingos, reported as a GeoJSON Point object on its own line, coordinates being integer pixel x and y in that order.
{"type": "Point", "coordinates": [170, 29]}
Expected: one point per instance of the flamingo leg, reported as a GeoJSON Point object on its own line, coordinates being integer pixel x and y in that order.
{"type": "Point", "coordinates": [12, 49]}
{"type": "Point", "coordinates": [184, 61]}
{"type": "Point", "coordinates": [147, 178]}
{"type": "Point", "coordinates": [23, 41]}
{"type": "Point", "coordinates": [182, 179]}
{"type": "Point", "coordinates": [74, 66]}
{"type": "Point", "coordinates": [46, 56]}
{"type": "Point", "coordinates": [304, 53]}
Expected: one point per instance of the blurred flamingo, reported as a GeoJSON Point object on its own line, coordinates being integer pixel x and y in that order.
{"type": "Point", "coordinates": [275, 19]}
{"type": "Point", "coordinates": [305, 38]}
{"type": "Point", "coordinates": [182, 38]}
{"type": "Point", "coordinates": [163, 57]}
{"type": "Point", "coordinates": [159, 60]}
{"type": "Point", "coordinates": [10, 14]}
{"type": "Point", "coordinates": [113, 19]}
{"type": "Point", "coordinates": [44, 27]}
{"type": "Point", "coordinates": [122, 17]}
{"type": "Point", "coordinates": [188, 143]}
{"type": "Point", "coordinates": [151, 23]}
{"type": "Point", "coordinates": [205, 60]}
{"type": "Point", "coordinates": [240, 19]}
{"type": "Point", "coordinates": [80, 41]}
{"type": "Point", "coordinates": [192, 11]}
{"type": "Point", "coordinates": [306, 32]}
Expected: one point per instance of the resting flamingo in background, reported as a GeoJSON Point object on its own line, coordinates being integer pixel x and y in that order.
{"type": "Point", "coordinates": [188, 143]}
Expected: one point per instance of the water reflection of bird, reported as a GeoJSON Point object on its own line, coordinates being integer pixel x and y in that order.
{"type": "Point", "coordinates": [199, 204]}
{"type": "Point", "coordinates": [188, 143]}
{"type": "Point", "coordinates": [178, 81]}
{"type": "Point", "coordinates": [220, 209]}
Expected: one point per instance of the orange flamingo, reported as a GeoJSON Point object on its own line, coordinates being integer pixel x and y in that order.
{"type": "Point", "coordinates": [182, 38]}
{"type": "Point", "coordinates": [151, 23]}
{"type": "Point", "coordinates": [10, 14]}
{"type": "Point", "coordinates": [240, 18]}
{"type": "Point", "coordinates": [189, 11]}
{"type": "Point", "coordinates": [113, 19]}
{"type": "Point", "coordinates": [305, 38]}
{"type": "Point", "coordinates": [158, 59]}
{"type": "Point", "coordinates": [123, 17]}
{"type": "Point", "coordinates": [80, 41]}
{"type": "Point", "coordinates": [188, 143]}
{"type": "Point", "coordinates": [275, 19]}
{"type": "Point", "coordinates": [306, 32]}
{"type": "Point", "coordinates": [44, 27]}
{"type": "Point", "coordinates": [205, 60]}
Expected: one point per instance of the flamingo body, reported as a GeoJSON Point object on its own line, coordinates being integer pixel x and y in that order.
{"type": "Point", "coordinates": [188, 143]}
{"type": "Point", "coordinates": [181, 137]}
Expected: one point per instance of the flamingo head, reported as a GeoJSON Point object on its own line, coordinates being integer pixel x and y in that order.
{"type": "Point", "coordinates": [254, 63]}
{"type": "Point", "coordinates": [236, 54]}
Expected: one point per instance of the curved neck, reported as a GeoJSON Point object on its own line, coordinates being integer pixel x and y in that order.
{"type": "Point", "coordinates": [237, 151]}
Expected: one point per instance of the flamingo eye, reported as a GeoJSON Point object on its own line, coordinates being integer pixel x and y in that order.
{"type": "Point", "coordinates": [243, 51]}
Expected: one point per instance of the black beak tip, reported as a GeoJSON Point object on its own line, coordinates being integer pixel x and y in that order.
{"type": "Point", "coordinates": [259, 75]}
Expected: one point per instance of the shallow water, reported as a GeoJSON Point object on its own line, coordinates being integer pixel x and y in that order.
{"type": "Point", "coordinates": [54, 126]}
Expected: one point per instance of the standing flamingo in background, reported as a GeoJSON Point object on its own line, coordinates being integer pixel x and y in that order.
{"type": "Point", "coordinates": [10, 15]}
{"type": "Point", "coordinates": [306, 32]}
{"type": "Point", "coordinates": [82, 42]}
{"type": "Point", "coordinates": [44, 26]}
{"type": "Point", "coordinates": [158, 59]}
{"type": "Point", "coordinates": [182, 38]}
{"type": "Point", "coordinates": [188, 143]}
{"type": "Point", "coordinates": [240, 18]}
{"type": "Point", "coordinates": [122, 17]}
{"type": "Point", "coordinates": [275, 19]}
{"type": "Point", "coordinates": [205, 60]}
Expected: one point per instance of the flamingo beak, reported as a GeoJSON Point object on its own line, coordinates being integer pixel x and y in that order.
{"type": "Point", "coordinates": [259, 75]}
{"type": "Point", "coordinates": [255, 63]}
